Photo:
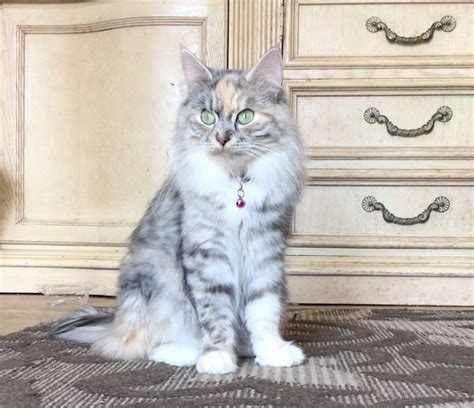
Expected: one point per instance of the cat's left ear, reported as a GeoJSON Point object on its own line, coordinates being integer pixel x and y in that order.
{"type": "Point", "coordinates": [193, 69]}
{"type": "Point", "coordinates": [269, 68]}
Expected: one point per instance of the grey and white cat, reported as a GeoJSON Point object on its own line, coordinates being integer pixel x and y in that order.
{"type": "Point", "coordinates": [203, 280]}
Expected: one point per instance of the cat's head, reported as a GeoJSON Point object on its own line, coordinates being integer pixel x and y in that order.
{"type": "Point", "coordinates": [234, 116]}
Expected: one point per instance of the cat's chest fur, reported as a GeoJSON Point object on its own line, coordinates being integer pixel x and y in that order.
{"type": "Point", "coordinates": [217, 189]}
{"type": "Point", "coordinates": [205, 178]}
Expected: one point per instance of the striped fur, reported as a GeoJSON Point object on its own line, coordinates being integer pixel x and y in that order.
{"type": "Point", "coordinates": [203, 280]}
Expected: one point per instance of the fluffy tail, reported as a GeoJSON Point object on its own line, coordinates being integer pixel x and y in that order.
{"type": "Point", "coordinates": [84, 326]}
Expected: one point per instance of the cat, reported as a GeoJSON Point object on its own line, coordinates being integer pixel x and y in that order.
{"type": "Point", "coordinates": [203, 281]}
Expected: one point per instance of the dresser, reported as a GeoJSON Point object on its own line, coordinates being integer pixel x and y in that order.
{"type": "Point", "coordinates": [382, 92]}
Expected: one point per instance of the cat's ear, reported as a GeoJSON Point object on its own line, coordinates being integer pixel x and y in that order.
{"type": "Point", "coordinates": [268, 69]}
{"type": "Point", "coordinates": [193, 69]}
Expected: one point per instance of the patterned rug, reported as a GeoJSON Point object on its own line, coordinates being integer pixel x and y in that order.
{"type": "Point", "coordinates": [356, 358]}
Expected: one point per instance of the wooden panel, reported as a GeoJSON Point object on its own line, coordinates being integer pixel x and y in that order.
{"type": "Point", "coordinates": [92, 92]}
{"type": "Point", "coordinates": [317, 287]}
{"type": "Point", "coordinates": [330, 33]}
{"type": "Point", "coordinates": [254, 27]}
{"type": "Point", "coordinates": [20, 312]}
{"type": "Point", "coordinates": [338, 121]}
{"type": "Point", "coordinates": [330, 114]}
{"type": "Point", "coordinates": [389, 290]}
{"type": "Point", "coordinates": [336, 210]}
{"type": "Point", "coordinates": [363, 171]}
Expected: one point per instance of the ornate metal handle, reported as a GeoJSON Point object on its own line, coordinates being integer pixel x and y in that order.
{"type": "Point", "coordinates": [446, 24]}
{"type": "Point", "coordinates": [440, 204]}
{"type": "Point", "coordinates": [443, 114]}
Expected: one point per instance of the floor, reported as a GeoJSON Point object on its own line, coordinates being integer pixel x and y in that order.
{"type": "Point", "coordinates": [20, 311]}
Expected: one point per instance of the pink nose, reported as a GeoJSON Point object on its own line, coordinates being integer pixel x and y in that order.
{"type": "Point", "coordinates": [222, 140]}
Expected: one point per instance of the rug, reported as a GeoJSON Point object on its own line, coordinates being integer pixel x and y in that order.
{"type": "Point", "coordinates": [356, 358]}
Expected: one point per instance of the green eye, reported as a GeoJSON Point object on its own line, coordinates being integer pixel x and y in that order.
{"type": "Point", "coordinates": [208, 118]}
{"type": "Point", "coordinates": [245, 117]}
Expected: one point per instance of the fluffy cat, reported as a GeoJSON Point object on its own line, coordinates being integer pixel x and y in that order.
{"type": "Point", "coordinates": [203, 279]}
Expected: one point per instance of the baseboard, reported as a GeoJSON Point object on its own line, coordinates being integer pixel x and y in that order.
{"type": "Point", "coordinates": [320, 279]}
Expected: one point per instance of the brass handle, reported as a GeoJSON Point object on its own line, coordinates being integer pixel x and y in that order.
{"type": "Point", "coordinates": [443, 114]}
{"type": "Point", "coordinates": [446, 24]}
{"type": "Point", "coordinates": [440, 204]}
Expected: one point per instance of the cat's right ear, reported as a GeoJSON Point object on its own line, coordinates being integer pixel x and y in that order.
{"type": "Point", "coordinates": [193, 69]}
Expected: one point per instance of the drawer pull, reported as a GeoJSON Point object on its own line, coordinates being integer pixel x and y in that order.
{"type": "Point", "coordinates": [443, 114]}
{"type": "Point", "coordinates": [440, 204]}
{"type": "Point", "coordinates": [446, 24]}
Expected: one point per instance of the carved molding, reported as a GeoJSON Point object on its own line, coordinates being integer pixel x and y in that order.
{"type": "Point", "coordinates": [390, 177]}
{"type": "Point", "coordinates": [326, 287]}
{"type": "Point", "coordinates": [383, 86]}
{"type": "Point", "coordinates": [350, 241]}
{"type": "Point", "coordinates": [254, 27]}
{"type": "Point", "coordinates": [108, 259]}
{"type": "Point", "coordinates": [295, 61]}
{"type": "Point", "coordinates": [353, 265]}
{"type": "Point", "coordinates": [21, 32]}
{"type": "Point", "coordinates": [349, 153]}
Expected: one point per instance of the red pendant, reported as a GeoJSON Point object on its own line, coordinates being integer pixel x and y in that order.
{"type": "Point", "coordinates": [240, 203]}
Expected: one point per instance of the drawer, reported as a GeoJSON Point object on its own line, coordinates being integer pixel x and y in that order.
{"type": "Point", "coordinates": [330, 211]}
{"type": "Point", "coordinates": [334, 122]}
{"type": "Point", "coordinates": [334, 33]}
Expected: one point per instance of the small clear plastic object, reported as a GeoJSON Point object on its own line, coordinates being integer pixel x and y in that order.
{"type": "Point", "coordinates": [66, 294]}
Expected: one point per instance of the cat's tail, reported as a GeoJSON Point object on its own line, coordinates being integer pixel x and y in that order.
{"type": "Point", "coordinates": [124, 334]}
{"type": "Point", "coordinates": [88, 325]}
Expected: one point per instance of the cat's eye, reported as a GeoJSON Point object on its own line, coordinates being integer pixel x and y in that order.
{"type": "Point", "coordinates": [208, 118]}
{"type": "Point", "coordinates": [245, 117]}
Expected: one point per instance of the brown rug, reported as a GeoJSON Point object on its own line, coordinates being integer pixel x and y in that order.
{"type": "Point", "coordinates": [356, 358]}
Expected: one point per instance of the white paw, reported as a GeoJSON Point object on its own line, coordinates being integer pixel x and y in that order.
{"type": "Point", "coordinates": [176, 354]}
{"type": "Point", "coordinates": [279, 354]}
{"type": "Point", "coordinates": [217, 362]}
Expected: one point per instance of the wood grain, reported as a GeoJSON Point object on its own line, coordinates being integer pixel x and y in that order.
{"type": "Point", "coordinates": [254, 27]}
{"type": "Point", "coordinates": [20, 311]}
{"type": "Point", "coordinates": [86, 140]}
{"type": "Point", "coordinates": [341, 39]}
{"type": "Point", "coordinates": [89, 91]}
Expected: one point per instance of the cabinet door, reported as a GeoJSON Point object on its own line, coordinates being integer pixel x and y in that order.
{"type": "Point", "coordinates": [90, 92]}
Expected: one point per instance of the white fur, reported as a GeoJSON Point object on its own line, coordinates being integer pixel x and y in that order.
{"type": "Point", "coordinates": [262, 317]}
{"type": "Point", "coordinates": [217, 362]}
{"type": "Point", "coordinates": [278, 353]}
{"type": "Point", "coordinates": [177, 354]}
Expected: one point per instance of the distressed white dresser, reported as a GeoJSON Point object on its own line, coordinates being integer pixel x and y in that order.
{"type": "Point", "coordinates": [381, 90]}
{"type": "Point", "coordinates": [383, 94]}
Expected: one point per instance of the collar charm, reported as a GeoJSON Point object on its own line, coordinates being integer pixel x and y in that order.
{"type": "Point", "coordinates": [240, 202]}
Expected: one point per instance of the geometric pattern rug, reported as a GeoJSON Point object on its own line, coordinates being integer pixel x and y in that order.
{"type": "Point", "coordinates": [355, 358]}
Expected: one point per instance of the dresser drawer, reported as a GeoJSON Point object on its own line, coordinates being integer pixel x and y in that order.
{"type": "Point", "coordinates": [334, 33]}
{"type": "Point", "coordinates": [339, 122]}
{"type": "Point", "coordinates": [344, 211]}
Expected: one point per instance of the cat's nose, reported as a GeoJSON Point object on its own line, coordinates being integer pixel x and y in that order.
{"type": "Point", "coordinates": [223, 139]}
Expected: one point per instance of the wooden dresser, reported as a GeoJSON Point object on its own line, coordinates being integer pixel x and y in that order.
{"type": "Point", "coordinates": [381, 90]}
{"type": "Point", "coordinates": [346, 82]}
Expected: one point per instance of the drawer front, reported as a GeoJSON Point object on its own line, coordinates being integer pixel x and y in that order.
{"type": "Point", "coordinates": [328, 33]}
{"type": "Point", "coordinates": [337, 120]}
{"type": "Point", "coordinates": [338, 211]}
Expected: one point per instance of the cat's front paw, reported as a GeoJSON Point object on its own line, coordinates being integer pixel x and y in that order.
{"type": "Point", "coordinates": [217, 362]}
{"type": "Point", "coordinates": [280, 354]}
